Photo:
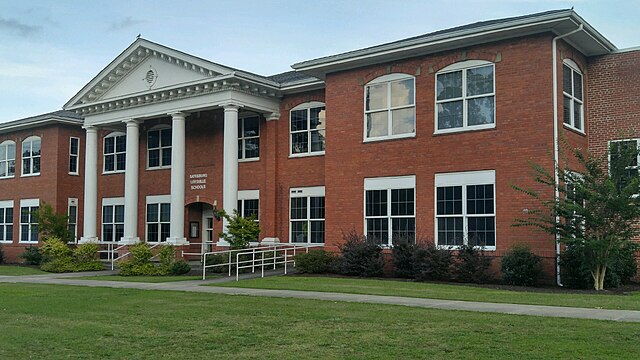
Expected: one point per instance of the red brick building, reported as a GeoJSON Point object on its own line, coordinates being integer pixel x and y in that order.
{"type": "Point", "coordinates": [421, 138]}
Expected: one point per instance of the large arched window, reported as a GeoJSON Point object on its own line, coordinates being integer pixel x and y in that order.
{"type": "Point", "coordinates": [573, 112]}
{"type": "Point", "coordinates": [7, 159]}
{"type": "Point", "coordinates": [159, 147]}
{"type": "Point", "coordinates": [307, 123]}
{"type": "Point", "coordinates": [465, 96]}
{"type": "Point", "coordinates": [115, 148]}
{"type": "Point", "coordinates": [390, 107]}
{"type": "Point", "coordinates": [31, 156]}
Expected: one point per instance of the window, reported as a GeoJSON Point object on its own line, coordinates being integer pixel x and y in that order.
{"type": "Point", "coordinates": [389, 107]}
{"type": "Point", "coordinates": [159, 148]}
{"type": "Point", "coordinates": [572, 108]}
{"type": "Point", "coordinates": [390, 213]}
{"type": "Point", "coordinates": [74, 154]}
{"type": "Point", "coordinates": [307, 215]}
{"type": "Point", "coordinates": [465, 97]}
{"type": "Point", "coordinates": [28, 223]}
{"type": "Point", "coordinates": [112, 219]}
{"type": "Point", "coordinates": [115, 147]}
{"type": "Point", "coordinates": [31, 156]}
{"type": "Point", "coordinates": [249, 203]}
{"type": "Point", "coordinates": [465, 209]}
{"type": "Point", "coordinates": [72, 213]}
{"type": "Point", "coordinates": [158, 218]}
{"type": "Point", "coordinates": [6, 221]}
{"type": "Point", "coordinates": [7, 159]}
{"type": "Point", "coordinates": [626, 149]}
{"type": "Point", "coordinates": [249, 138]}
{"type": "Point", "coordinates": [308, 126]}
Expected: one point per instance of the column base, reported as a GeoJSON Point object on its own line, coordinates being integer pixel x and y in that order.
{"type": "Point", "coordinates": [177, 241]}
{"type": "Point", "coordinates": [88, 240]}
{"type": "Point", "coordinates": [129, 240]}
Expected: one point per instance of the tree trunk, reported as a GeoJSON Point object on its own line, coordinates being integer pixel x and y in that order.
{"type": "Point", "coordinates": [598, 277]}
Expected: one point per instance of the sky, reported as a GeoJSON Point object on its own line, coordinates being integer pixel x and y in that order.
{"type": "Point", "coordinates": [49, 49]}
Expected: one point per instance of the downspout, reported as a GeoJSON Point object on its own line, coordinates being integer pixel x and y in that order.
{"type": "Point", "coordinates": [556, 156]}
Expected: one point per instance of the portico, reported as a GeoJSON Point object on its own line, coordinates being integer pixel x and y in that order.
{"type": "Point", "coordinates": [145, 83]}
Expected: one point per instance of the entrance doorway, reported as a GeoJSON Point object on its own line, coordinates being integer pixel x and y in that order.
{"type": "Point", "coordinates": [207, 228]}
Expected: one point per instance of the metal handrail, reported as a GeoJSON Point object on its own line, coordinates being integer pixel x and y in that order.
{"type": "Point", "coordinates": [274, 260]}
{"type": "Point", "coordinates": [230, 253]}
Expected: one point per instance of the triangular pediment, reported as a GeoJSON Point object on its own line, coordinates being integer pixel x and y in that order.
{"type": "Point", "coordinates": [145, 67]}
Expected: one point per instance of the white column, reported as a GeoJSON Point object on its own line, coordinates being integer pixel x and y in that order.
{"type": "Point", "coordinates": [90, 185]}
{"type": "Point", "coordinates": [177, 178]}
{"type": "Point", "coordinates": [230, 163]}
{"type": "Point", "coordinates": [131, 184]}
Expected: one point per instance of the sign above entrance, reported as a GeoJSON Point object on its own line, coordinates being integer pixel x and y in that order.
{"type": "Point", "coordinates": [198, 181]}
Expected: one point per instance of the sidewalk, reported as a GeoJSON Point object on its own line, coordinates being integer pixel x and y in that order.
{"type": "Point", "coordinates": [197, 286]}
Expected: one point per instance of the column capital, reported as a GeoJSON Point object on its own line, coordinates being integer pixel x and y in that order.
{"type": "Point", "coordinates": [90, 128]}
{"type": "Point", "coordinates": [132, 122]}
{"type": "Point", "coordinates": [178, 114]}
{"type": "Point", "coordinates": [273, 116]}
{"type": "Point", "coordinates": [230, 106]}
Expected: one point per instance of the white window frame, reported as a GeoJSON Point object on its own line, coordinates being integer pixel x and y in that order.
{"type": "Point", "coordinates": [73, 221]}
{"type": "Point", "coordinates": [116, 201]}
{"type": "Point", "coordinates": [115, 153]}
{"type": "Point", "coordinates": [308, 106]}
{"type": "Point", "coordinates": [464, 179]}
{"type": "Point", "coordinates": [160, 148]}
{"type": "Point", "coordinates": [31, 158]}
{"type": "Point", "coordinates": [387, 184]}
{"type": "Point", "coordinates": [32, 205]}
{"type": "Point", "coordinates": [157, 200]}
{"type": "Point", "coordinates": [4, 205]}
{"type": "Point", "coordinates": [388, 80]}
{"type": "Point", "coordinates": [308, 193]}
{"type": "Point", "coordinates": [5, 162]}
{"type": "Point", "coordinates": [244, 195]}
{"type": "Point", "coordinates": [572, 98]}
{"type": "Point", "coordinates": [636, 167]}
{"type": "Point", "coordinates": [242, 138]}
{"type": "Point", "coordinates": [74, 156]}
{"type": "Point", "coordinates": [463, 66]}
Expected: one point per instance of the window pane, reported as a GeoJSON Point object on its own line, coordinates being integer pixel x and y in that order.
{"type": "Point", "coordinates": [153, 139]}
{"type": "Point", "coordinates": [299, 143]}
{"type": "Point", "coordinates": [482, 231]}
{"type": "Point", "coordinates": [109, 145]}
{"type": "Point", "coordinates": [317, 120]}
{"type": "Point", "coordinates": [404, 230]}
{"type": "Point", "coordinates": [317, 140]}
{"type": "Point", "coordinates": [299, 208]}
{"type": "Point", "coordinates": [577, 85]}
{"type": "Point", "coordinates": [165, 231]}
{"type": "Point", "coordinates": [577, 115]}
{"type": "Point", "coordinates": [119, 232]}
{"type": "Point", "coordinates": [165, 212]}
{"type": "Point", "coordinates": [165, 137]}
{"type": "Point", "coordinates": [9, 233]}
{"type": "Point", "coordinates": [317, 232]}
{"type": "Point", "coordinates": [378, 230]}
{"type": "Point", "coordinates": [481, 111]}
{"type": "Point", "coordinates": [166, 156]}
{"type": "Point", "coordinates": [154, 158]}
{"type": "Point", "coordinates": [251, 126]}
{"type": "Point", "coordinates": [376, 203]}
{"type": "Point", "coordinates": [2, 233]}
{"type": "Point", "coordinates": [377, 124]}
{"type": "Point", "coordinates": [480, 199]}
{"type": "Point", "coordinates": [34, 233]}
{"type": "Point", "coordinates": [402, 93]}
{"type": "Point", "coordinates": [251, 208]}
{"type": "Point", "coordinates": [35, 147]}
{"type": "Point", "coordinates": [252, 148]}
{"type": "Point", "coordinates": [450, 115]}
{"type": "Point", "coordinates": [376, 97]}
{"type": "Point", "coordinates": [8, 215]}
{"type": "Point", "coordinates": [449, 85]}
{"type": "Point", "coordinates": [11, 151]}
{"type": "Point", "coordinates": [152, 212]}
{"type": "Point", "coordinates": [74, 146]}
{"type": "Point", "coordinates": [566, 110]}
{"type": "Point", "coordinates": [480, 80]}
{"type": "Point", "coordinates": [121, 143]}
{"type": "Point", "coordinates": [107, 232]}
{"type": "Point", "coordinates": [36, 165]}
{"type": "Point", "coordinates": [152, 232]}
{"type": "Point", "coordinates": [24, 215]}
{"type": "Point", "coordinates": [109, 163]}
{"type": "Point", "coordinates": [299, 231]}
{"type": "Point", "coordinates": [566, 79]}
{"type": "Point", "coordinates": [119, 213]}
{"type": "Point", "coordinates": [450, 231]}
{"type": "Point", "coordinates": [12, 168]}
{"type": "Point", "coordinates": [73, 164]}
{"type": "Point", "coordinates": [24, 233]}
{"type": "Point", "coordinates": [72, 214]}
{"type": "Point", "coordinates": [402, 202]}
{"type": "Point", "coordinates": [121, 162]}
{"type": "Point", "coordinates": [403, 121]}
{"type": "Point", "coordinates": [26, 166]}
{"type": "Point", "coordinates": [299, 120]}
{"type": "Point", "coordinates": [449, 200]}
{"type": "Point", "coordinates": [3, 152]}
{"type": "Point", "coordinates": [317, 207]}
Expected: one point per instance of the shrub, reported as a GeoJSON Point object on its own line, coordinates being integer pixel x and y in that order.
{"type": "Point", "coordinates": [360, 257]}
{"type": "Point", "coordinates": [32, 256]}
{"type": "Point", "coordinates": [575, 272]}
{"type": "Point", "coordinates": [59, 265]}
{"type": "Point", "coordinates": [315, 262]}
{"type": "Point", "coordinates": [54, 248]}
{"type": "Point", "coordinates": [240, 230]}
{"type": "Point", "coordinates": [180, 267]}
{"type": "Point", "coordinates": [214, 259]}
{"type": "Point", "coordinates": [471, 265]}
{"type": "Point", "coordinates": [521, 267]}
{"type": "Point", "coordinates": [167, 256]}
{"type": "Point", "coordinates": [404, 257]}
{"type": "Point", "coordinates": [86, 258]}
{"type": "Point", "coordinates": [421, 262]}
{"type": "Point", "coordinates": [139, 261]}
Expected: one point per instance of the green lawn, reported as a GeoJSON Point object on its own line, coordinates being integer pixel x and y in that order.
{"type": "Point", "coordinates": [63, 322]}
{"type": "Point", "coordinates": [147, 279]}
{"type": "Point", "coordinates": [15, 270]}
{"type": "Point", "coordinates": [439, 291]}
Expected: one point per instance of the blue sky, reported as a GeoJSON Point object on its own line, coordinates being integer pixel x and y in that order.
{"type": "Point", "coordinates": [50, 49]}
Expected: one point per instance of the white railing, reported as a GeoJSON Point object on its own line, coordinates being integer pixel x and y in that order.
{"type": "Point", "coordinates": [280, 253]}
{"type": "Point", "coordinates": [113, 247]}
{"type": "Point", "coordinates": [204, 249]}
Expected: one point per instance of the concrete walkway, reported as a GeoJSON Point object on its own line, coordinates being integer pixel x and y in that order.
{"type": "Point", "coordinates": [197, 286]}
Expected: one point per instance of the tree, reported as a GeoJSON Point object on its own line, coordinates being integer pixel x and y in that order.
{"type": "Point", "coordinates": [51, 224]}
{"type": "Point", "coordinates": [240, 230]}
{"type": "Point", "coordinates": [597, 208]}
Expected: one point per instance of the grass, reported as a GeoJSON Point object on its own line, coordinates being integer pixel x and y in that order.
{"type": "Point", "coordinates": [147, 279]}
{"type": "Point", "coordinates": [440, 291]}
{"type": "Point", "coordinates": [15, 270]}
{"type": "Point", "coordinates": [63, 322]}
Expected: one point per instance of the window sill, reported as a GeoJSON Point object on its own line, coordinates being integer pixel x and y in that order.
{"type": "Point", "coordinates": [6, 242]}
{"type": "Point", "coordinates": [27, 242]}
{"type": "Point", "coordinates": [7, 177]}
{"type": "Point", "coordinates": [386, 138]}
{"type": "Point", "coordinates": [457, 247]}
{"type": "Point", "coordinates": [30, 175]}
{"type": "Point", "coordinates": [112, 172]}
{"type": "Point", "coordinates": [303, 155]}
{"type": "Point", "coordinates": [158, 168]}
{"type": "Point", "coordinates": [307, 244]}
{"type": "Point", "coordinates": [464, 129]}
{"type": "Point", "coordinates": [74, 174]}
{"type": "Point", "coordinates": [248, 160]}
{"type": "Point", "coordinates": [574, 129]}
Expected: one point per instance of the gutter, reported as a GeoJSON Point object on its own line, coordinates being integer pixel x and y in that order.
{"type": "Point", "coordinates": [556, 151]}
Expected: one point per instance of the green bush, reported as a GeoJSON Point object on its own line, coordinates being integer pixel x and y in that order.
{"type": "Point", "coordinates": [360, 257]}
{"type": "Point", "coordinates": [32, 256]}
{"type": "Point", "coordinates": [422, 262]}
{"type": "Point", "coordinates": [139, 261]}
{"type": "Point", "coordinates": [576, 274]}
{"type": "Point", "coordinates": [59, 265]}
{"type": "Point", "coordinates": [54, 248]}
{"type": "Point", "coordinates": [471, 265]}
{"type": "Point", "coordinates": [404, 260]}
{"type": "Point", "coordinates": [521, 267]}
{"type": "Point", "coordinates": [167, 256]}
{"type": "Point", "coordinates": [180, 267]}
{"type": "Point", "coordinates": [214, 259]}
{"type": "Point", "coordinates": [315, 262]}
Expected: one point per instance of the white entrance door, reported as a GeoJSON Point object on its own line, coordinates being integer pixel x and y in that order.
{"type": "Point", "coordinates": [207, 229]}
